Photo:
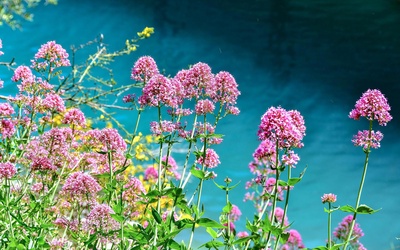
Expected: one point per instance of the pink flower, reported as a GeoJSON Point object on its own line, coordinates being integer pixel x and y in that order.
{"type": "Point", "coordinates": [129, 98]}
{"type": "Point", "coordinates": [56, 243]}
{"type": "Point", "coordinates": [197, 81]}
{"type": "Point", "coordinates": [145, 68]}
{"type": "Point", "coordinates": [211, 159]}
{"type": "Point", "coordinates": [290, 159]}
{"type": "Point", "coordinates": [171, 167]}
{"type": "Point", "coordinates": [7, 170]}
{"type": "Point", "coordinates": [160, 90]}
{"type": "Point", "coordinates": [235, 213]}
{"type": "Point", "coordinates": [372, 105]}
{"type": "Point", "coordinates": [180, 112]}
{"type": "Point", "coordinates": [133, 190]}
{"type": "Point", "coordinates": [279, 216]}
{"type": "Point", "coordinates": [232, 110]}
{"type": "Point", "coordinates": [226, 88]}
{"type": "Point", "coordinates": [201, 129]}
{"type": "Point", "coordinates": [42, 164]}
{"type": "Point", "coordinates": [204, 107]}
{"type": "Point", "coordinates": [22, 73]}
{"type": "Point", "coordinates": [343, 229]}
{"type": "Point", "coordinates": [266, 150]}
{"type": "Point", "coordinates": [80, 186]}
{"type": "Point", "coordinates": [6, 109]}
{"type": "Point", "coordinates": [39, 187]}
{"type": "Point", "coordinates": [99, 219]}
{"type": "Point", "coordinates": [366, 141]}
{"type": "Point", "coordinates": [242, 234]}
{"type": "Point", "coordinates": [281, 126]}
{"type": "Point", "coordinates": [231, 226]}
{"type": "Point", "coordinates": [75, 116]}
{"type": "Point", "coordinates": [7, 128]}
{"type": "Point", "coordinates": [330, 198]}
{"type": "Point", "coordinates": [165, 127]}
{"type": "Point", "coordinates": [295, 241]}
{"type": "Point", "coordinates": [112, 140]}
{"type": "Point", "coordinates": [54, 102]}
{"type": "Point", "coordinates": [50, 55]}
{"type": "Point", "coordinates": [150, 173]}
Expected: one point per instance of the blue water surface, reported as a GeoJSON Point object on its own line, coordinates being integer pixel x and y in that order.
{"type": "Point", "coordinates": [314, 56]}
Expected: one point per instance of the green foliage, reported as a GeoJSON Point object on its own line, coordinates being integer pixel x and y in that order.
{"type": "Point", "coordinates": [12, 11]}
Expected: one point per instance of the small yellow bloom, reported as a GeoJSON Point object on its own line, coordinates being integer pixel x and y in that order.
{"type": "Point", "coordinates": [146, 32]}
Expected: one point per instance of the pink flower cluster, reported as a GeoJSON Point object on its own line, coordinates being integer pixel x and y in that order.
{"type": "Point", "coordinates": [343, 229]}
{"type": "Point", "coordinates": [286, 128]}
{"type": "Point", "coordinates": [235, 213]}
{"type": "Point", "coordinates": [330, 198]}
{"type": "Point", "coordinates": [50, 55]}
{"type": "Point", "coordinates": [294, 242]}
{"type": "Point", "coordinates": [372, 105]}
{"type": "Point", "coordinates": [7, 128]}
{"type": "Point", "coordinates": [7, 170]}
{"type": "Point", "coordinates": [6, 109]}
{"type": "Point", "coordinates": [197, 82]}
{"type": "Point", "coordinates": [211, 159]}
{"type": "Point", "coordinates": [75, 117]}
{"type": "Point", "coordinates": [99, 220]}
{"type": "Point", "coordinates": [81, 187]}
{"type": "Point", "coordinates": [132, 194]}
{"type": "Point", "coordinates": [144, 68]}
{"type": "Point", "coordinates": [160, 90]}
{"type": "Point", "coordinates": [204, 107]}
{"type": "Point", "coordinates": [366, 140]}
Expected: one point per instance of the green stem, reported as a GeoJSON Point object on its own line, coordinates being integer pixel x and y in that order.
{"type": "Point", "coordinates": [329, 225]}
{"type": "Point", "coordinates": [275, 189]}
{"type": "Point", "coordinates": [7, 189]}
{"type": "Point", "coordinates": [159, 184]}
{"type": "Point", "coordinates": [353, 222]}
{"type": "Point", "coordinates": [182, 182]}
{"type": "Point", "coordinates": [201, 181]}
{"type": "Point", "coordinates": [286, 205]}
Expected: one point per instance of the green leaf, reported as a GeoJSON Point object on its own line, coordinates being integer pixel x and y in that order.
{"type": "Point", "coordinates": [284, 237]}
{"type": "Point", "coordinates": [197, 173]}
{"type": "Point", "coordinates": [364, 209]}
{"type": "Point", "coordinates": [211, 232]}
{"type": "Point", "coordinates": [347, 208]}
{"type": "Point", "coordinates": [293, 181]}
{"type": "Point", "coordinates": [21, 247]}
{"type": "Point", "coordinates": [212, 244]}
{"type": "Point", "coordinates": [173, 244]}
{"type": "Point", "coordinates": [118, 217]}
{"type": "Point", "coordinates": [228, 207]}
{"type": "Point", "coordinates": [320, 248]}
{"type": "Point", "coordinates": [303, 172]}
{"type": "Point", "coordinates": [206, 222]}
{"type": "Point", "coordinates": [156, 215]}
{"type": "Point", "coordinates": [282, 183]}
{"type": "Point", "coordinates": [243, 240]}
{"type": "Point", "coordinates": [117, 208]}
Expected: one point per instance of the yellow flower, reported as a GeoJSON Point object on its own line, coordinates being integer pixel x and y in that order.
{"type": "Point", "coordinates": [146, 32]}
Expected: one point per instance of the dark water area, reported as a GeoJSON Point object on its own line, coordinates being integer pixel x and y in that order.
{"type": "Point", "coordinates": [314, 56]}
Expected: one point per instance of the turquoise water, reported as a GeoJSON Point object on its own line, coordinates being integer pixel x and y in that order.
{"type": "Point", "coordinates": [314, 56]}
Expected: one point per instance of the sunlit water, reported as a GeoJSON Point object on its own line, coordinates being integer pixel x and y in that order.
{"type": "Point", "coordinates": [314, 56]}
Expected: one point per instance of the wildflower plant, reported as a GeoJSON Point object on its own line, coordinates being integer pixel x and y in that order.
{"type": "Point", "coordinates": [66, 183]}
